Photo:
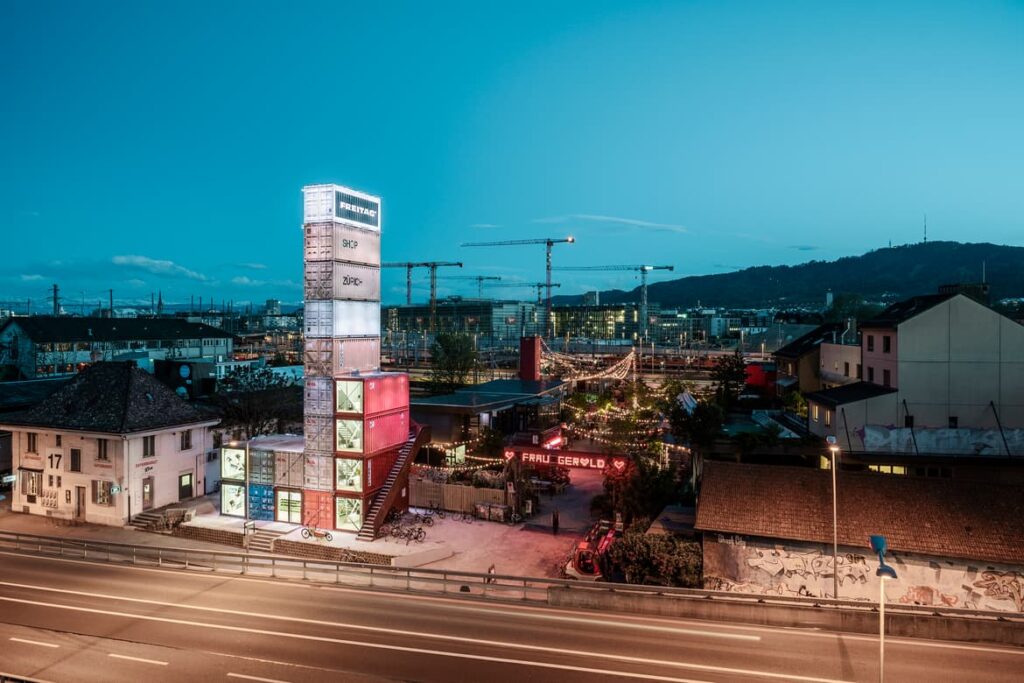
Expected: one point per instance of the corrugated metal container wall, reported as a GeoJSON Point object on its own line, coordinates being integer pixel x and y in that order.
{"type": "Point", "coordinates": [372, 394]}
{"type": "Point", "coordinates": [261, 502]}
{"type": "Point", "coordinates": [336, 280]}
{"type": "Point", "coordinates": [371, 434]}
{"type": "Point", "coordinates": [319, 433]}
{"type": "Point", "coordinates": [356, 355]}
{"type": "Point", "coordinates": [335, 357]}
{"type": "Point", "coordinates": [335, 242]}
{"type": "Point", "coordinates": [342, 319]}
{"type": "Point", "coordinates": [378, 466]}
{"type": "Point", "coordinates": [317, 396]}
{"type": "Point", "coordinates": [289, 469]}
{"type": "Point", "coordinates": [318, 472]}
{"type": "Point", "coordinates": [261, 467]}
{"type": "Point", "coordinates": [318, 509]}
{"type": "Point", "coordinates": [317, 203]}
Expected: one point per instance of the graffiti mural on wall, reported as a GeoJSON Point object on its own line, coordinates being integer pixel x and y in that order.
{"type": "Point", "coordinates": [882, 439]}
{"type": "Point", "coordinates": [739, 564]}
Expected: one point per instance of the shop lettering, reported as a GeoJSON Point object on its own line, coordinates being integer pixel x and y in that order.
{"type": "Point", "coordinates": [351, 280]}
{"type": "Point", "coordinates": [349, 244]}
{"type": "Point", "coordinates": [589, 462]}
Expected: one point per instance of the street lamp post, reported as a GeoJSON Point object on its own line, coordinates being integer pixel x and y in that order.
{"type": "Point", "coordinates": [833, 448]}
{"type": "Point", "coordinates": [884, 573]}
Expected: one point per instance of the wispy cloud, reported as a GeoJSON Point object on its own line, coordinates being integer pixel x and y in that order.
{"type": "Point", "coordinates": [484, 225]}
{"type": "Point", "coordinates": [632, 223]}
{"type": "Point", "coordinates": [31, 277]}
{"type": "Point", "coordinates": [245, 281]}
{"type": "Point", "coordinates": [253, 266]}
{"type": "Point", "coordinates": [804, 247]}
{"type": "Point", "coordinates": [158, 267]}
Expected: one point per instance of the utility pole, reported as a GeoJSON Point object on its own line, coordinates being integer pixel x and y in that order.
{"type": "Point", "coordinates": [56, 300]}
{"type": "Point", "coordinates": [111, 302]}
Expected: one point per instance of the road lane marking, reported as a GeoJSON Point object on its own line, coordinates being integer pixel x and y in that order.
{"type": "Point", "coordinates": [255, 678]}
{"type": "Point", "coordinates": [33, 642]}
{"type": "Point", "coordinates": [529, 610]}
{"type": "Point", "coordinates": [709, 668]}
{"type": "Point", "coordinates": [137, 659]}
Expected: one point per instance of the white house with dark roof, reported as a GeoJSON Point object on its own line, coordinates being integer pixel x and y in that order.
{"type": "Point", "coordinates": [111, 443]}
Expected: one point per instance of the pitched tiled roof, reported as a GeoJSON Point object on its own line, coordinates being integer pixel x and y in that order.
{"type": "Point", "coordinates": [66, 329]}
{"type": "Point", "coordinates": [905, 310]}
{"type": "Point", "coordinates": [939, 517]}
{"type": "Point", "coordinates": [848, 393]}
{"type": "Point", "coordinates": [111, 398]}
{"type": "Point", "coordinates": [802, 345]}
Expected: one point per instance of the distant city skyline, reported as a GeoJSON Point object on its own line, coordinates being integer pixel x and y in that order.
{"type": "Point", "coordinates": [707, 136]}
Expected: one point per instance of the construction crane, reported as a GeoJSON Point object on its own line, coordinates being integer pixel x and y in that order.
{"type": "Point", "coordinates": [643, 270]}
{"type": "Point", "coordinates": [548, 242]}
{"type": "Point", "coordinates": [541, 286]}
{"type": "Point", "coordinates": [479, 281]}
{"type": "Point", "coordinates": [433, 266]}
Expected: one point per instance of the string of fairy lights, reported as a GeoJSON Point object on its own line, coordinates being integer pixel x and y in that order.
{"type": "Point", "coordinates": [578, 369]}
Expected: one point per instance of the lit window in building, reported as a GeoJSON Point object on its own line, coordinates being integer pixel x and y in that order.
{"type": "Point", "coordinates": [814, 412]}
{"type": "Point", "coordinates": [348, 474]}
{"type": "Point", "coordinates": [348, 513]}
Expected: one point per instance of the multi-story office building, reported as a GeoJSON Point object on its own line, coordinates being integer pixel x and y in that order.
{"type": "Point", "coordinates": [493, 322]}
{"type": "Point", "coordinates": [41, 346]}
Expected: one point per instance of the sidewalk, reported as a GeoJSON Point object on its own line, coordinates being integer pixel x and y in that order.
{"type": "Point", "coordinates": [44, 526]}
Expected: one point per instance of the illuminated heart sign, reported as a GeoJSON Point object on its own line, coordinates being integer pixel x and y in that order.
{"type": "Point", "coordinates": [619, 464]}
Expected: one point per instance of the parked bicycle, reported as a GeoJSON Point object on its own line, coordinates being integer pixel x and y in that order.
{"type": "Point", "coordinates": [313, 532]}
{"type": "Point", "coordinates": [437, 510]}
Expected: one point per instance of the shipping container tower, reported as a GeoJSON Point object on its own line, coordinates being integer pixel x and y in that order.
{"type": "Point", "coordinates": [359, 441]}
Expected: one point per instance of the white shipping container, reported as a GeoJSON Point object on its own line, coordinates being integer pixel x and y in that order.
{"type": "Point", "coordinates": [335, 203]}
{"type": "Point", "coordinates": [318, 472]}
{"type": "Point", "coordinates": [288, 469]}
{"type": "Point", "coordinates": [338, 357]}
{"type": "Point", "coordinates": [318, 431]}
{"type": "Point", "coordinates": [342, 319]}
{"type": "Point", "coordinates": [338, 242]}
{"type": "Point", "coordinates": [317, 397]}
{"type": "Point", "coordinates": [337, 280]}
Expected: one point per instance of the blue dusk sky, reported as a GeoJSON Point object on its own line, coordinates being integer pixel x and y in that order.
{"type": "Point", "coordinates": [162, 146]}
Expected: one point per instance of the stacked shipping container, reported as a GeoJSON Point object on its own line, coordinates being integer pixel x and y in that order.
{"type": "Point", "coordinates": [355, 417]}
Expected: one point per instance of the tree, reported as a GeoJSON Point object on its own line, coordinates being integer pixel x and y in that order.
{"type": "Point", "coordinates": [730, 375]}
{"type": "Point", "coordinates": [846, 306]}
{"type": "Point", "coordinates": [453, 357]}
{"type": "Point", "coordinates": [258, 400]}
{"type": "Point", "coordinates": [701, 427]}
{"type": "Point", "coordinates": [657, 559]}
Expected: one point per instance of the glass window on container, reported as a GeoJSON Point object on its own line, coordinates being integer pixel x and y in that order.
{"type": "Point", "coordinates": [349, 435]}
{"type": "Point", "coordinates": [348, 514]}
{"type": "Point", "coordinates": [232, 463]}
{"type": "Point", "coordinates": [348, 474]}
{"type": "Point", "coordinates": [232, 499]}
{"type": "Point", "coordinates": [349, 397]}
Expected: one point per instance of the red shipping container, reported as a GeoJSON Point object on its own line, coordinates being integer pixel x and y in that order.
{"type": "Point", "coordinates": [529, 359]}
{"type": "Point", "coordinates": [368, 435]}
{"type": "Point", "coordinates": [318, 509]}
{"type": "Point", "coordinates": [371, 394]}
{"type": "Point", "coordinates": [337, 357]}
{"type": "Point", "coordinates": [377, 468]}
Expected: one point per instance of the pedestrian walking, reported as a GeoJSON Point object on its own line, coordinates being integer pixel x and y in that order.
{"type": "Point", "coordinates": [490, 573]}
{"type": "Point", "coordinates": [554, 522]}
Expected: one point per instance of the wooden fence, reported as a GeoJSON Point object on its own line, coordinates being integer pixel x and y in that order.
{"type": "Point", "coordinates": [452, 497]}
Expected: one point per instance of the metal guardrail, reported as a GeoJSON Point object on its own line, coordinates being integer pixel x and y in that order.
{"type": "Point", "coordinates": [439, 581]}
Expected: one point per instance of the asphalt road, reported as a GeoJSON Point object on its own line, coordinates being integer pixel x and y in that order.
{"type": "Point", "coordinates": [67, 620]}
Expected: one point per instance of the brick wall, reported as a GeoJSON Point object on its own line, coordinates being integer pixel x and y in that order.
{"type": "Point", "coordinates": [330, 553]}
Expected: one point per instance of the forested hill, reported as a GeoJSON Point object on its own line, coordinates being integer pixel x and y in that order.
{"type": "Point", "coordinates": [885, 274]}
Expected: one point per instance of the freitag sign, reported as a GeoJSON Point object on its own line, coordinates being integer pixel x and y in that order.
{"type": "Point", "coordinates": [357, 209]}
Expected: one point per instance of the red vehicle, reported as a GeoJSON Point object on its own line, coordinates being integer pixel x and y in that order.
{"type": "Point", "coordinates": [585, 560]}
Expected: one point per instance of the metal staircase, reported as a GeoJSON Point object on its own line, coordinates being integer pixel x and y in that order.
{"type": "Point", "coordinates": [385, 499]}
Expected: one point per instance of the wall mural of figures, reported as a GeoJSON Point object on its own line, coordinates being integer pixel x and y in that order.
{"type": "Point", "coordinates": [751, 565]}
